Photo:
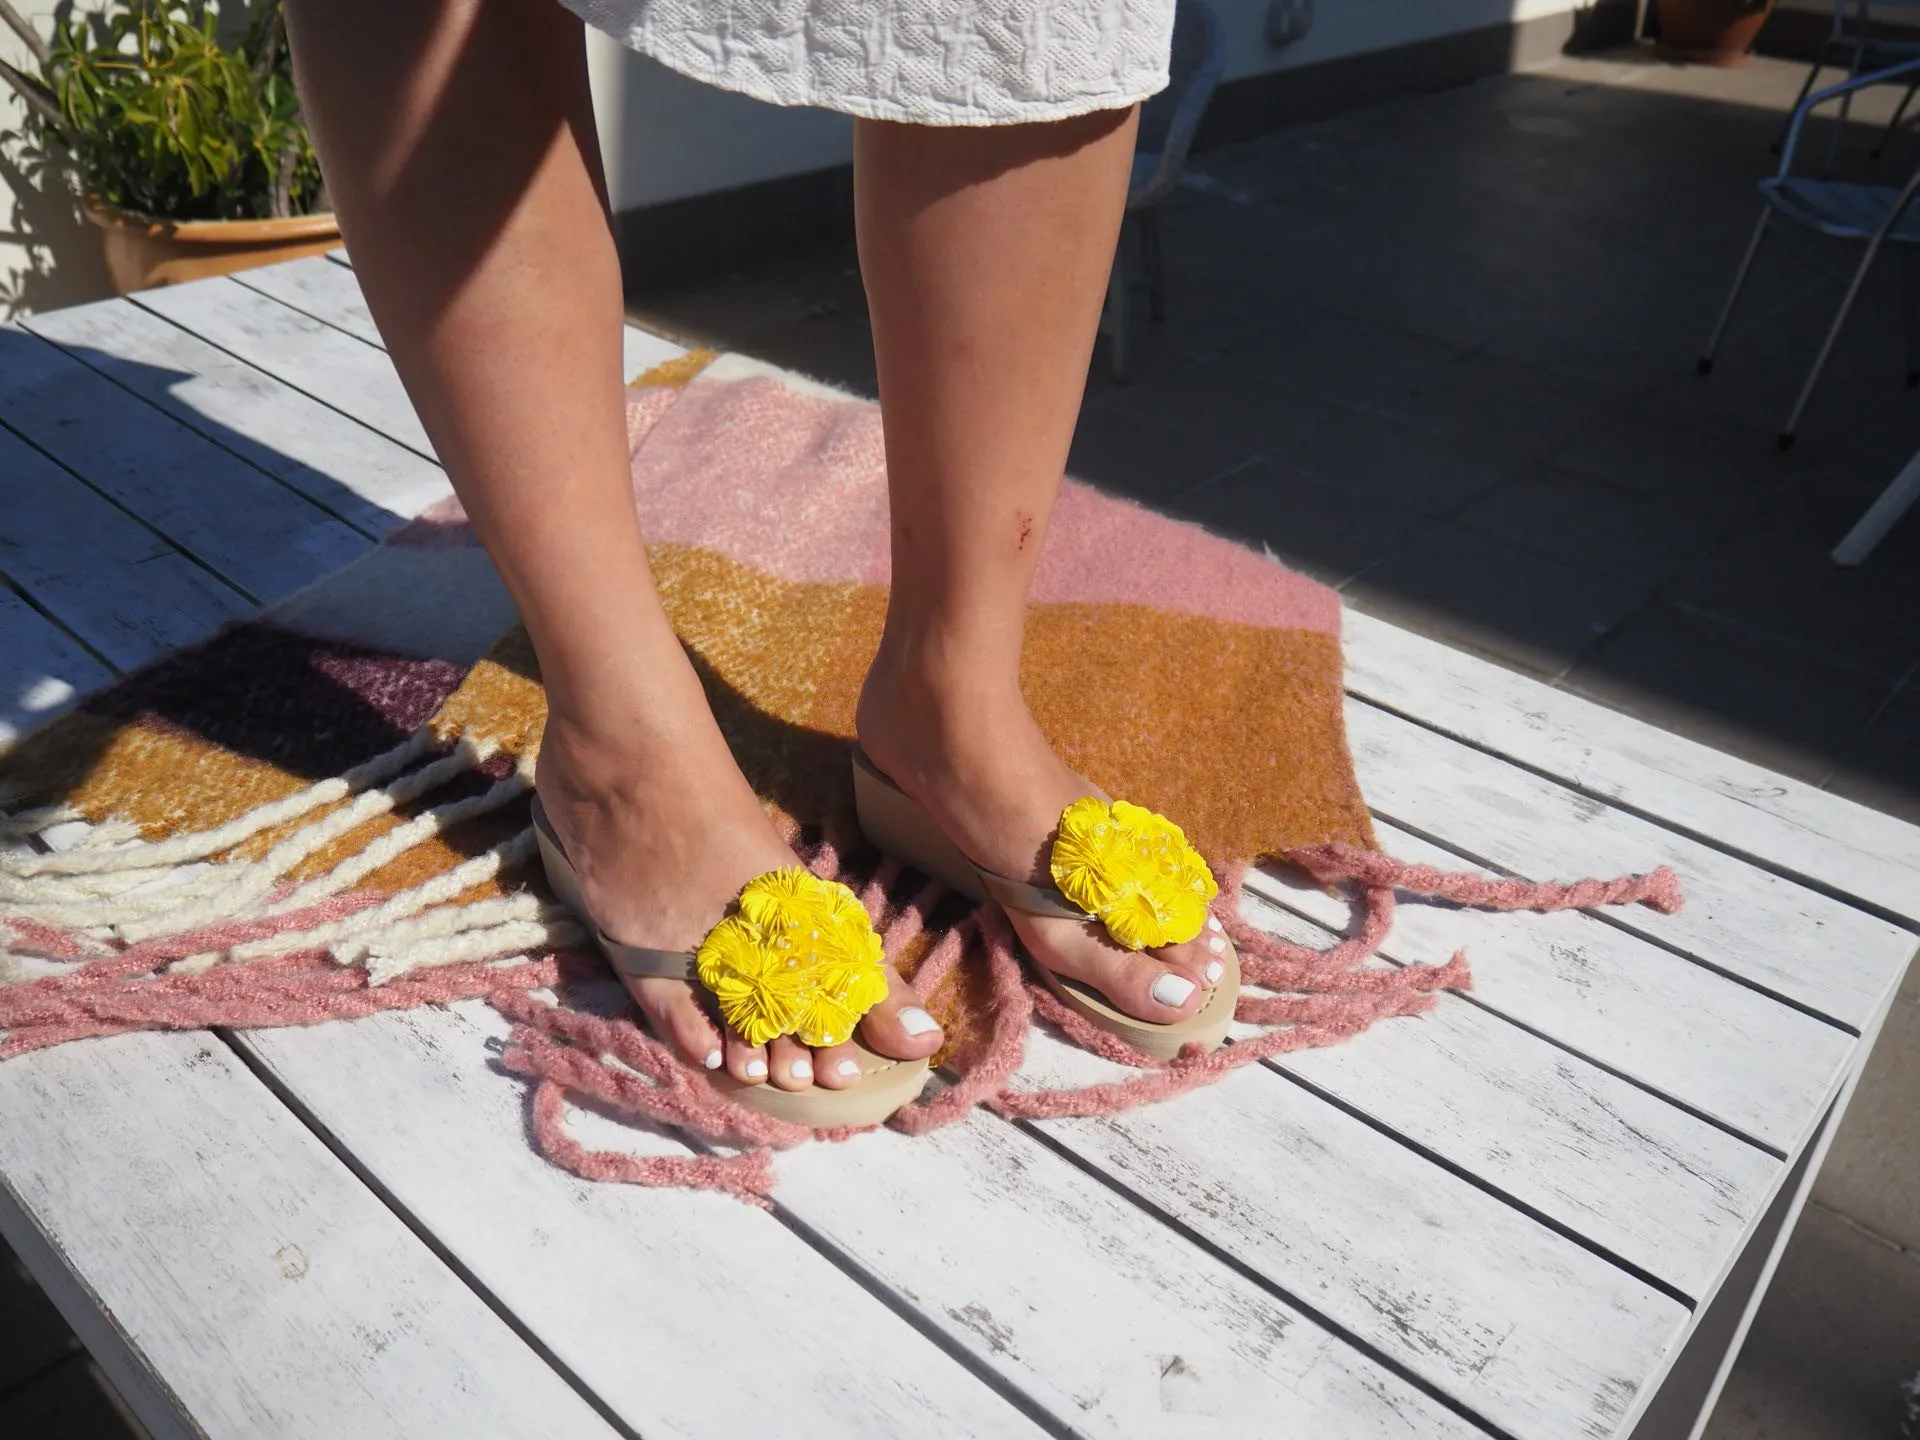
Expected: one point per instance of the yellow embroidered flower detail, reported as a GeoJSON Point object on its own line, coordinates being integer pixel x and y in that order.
{"type": "Point", "coordinates": [798, 957]}
{"type": "Point", "coordinates": [1133, 871]}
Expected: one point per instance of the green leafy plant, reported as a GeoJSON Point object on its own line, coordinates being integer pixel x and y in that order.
{"type": "Point", "coordinates": [152, 110]}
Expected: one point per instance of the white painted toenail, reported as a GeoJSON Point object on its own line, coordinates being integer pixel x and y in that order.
{"type": "Point", "coordinates": [756, 1069]}
{"type": "Point", "coordinates": [1172, 990]}
{"type": "Point", "coordinates": [1214, 971]}
{"type": "Point", "coordinates": [847, 1069]}
{"type": "Point", "coordinates": [1216, 944]}
{"type": "Point", "coordinates": [801, 1069]}
{"type": "Point", "coordinates": [917, 1022]}
{"type": "Point", "coordinates": [713, 1059]}
{"type": "Point", "coordinates": [1213, 922]}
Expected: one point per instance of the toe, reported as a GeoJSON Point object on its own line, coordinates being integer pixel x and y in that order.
{"type": "Point", "coordinates": [745, 1062]}
{"type": "Point", "coordinates": [674, 1015]}
{"type": "Point", "coordinates": [792, 1063]}
{"type": "Point", "coordinates": [836, 1067]}
{"type": "Point", "coordinates": [1157, 985]}
{"type": "Point", "coordinates": [899, 1026]}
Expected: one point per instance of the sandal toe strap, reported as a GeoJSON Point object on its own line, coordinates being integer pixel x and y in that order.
{"type": "Point", "coordinates": [639, 963]}
{"type": "Point", "coordinates": [1013, 894]}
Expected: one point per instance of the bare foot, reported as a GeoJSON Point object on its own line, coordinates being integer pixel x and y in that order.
{"type": "Point", "coordinates": [979, 763]}
{"type": "Point", "coordinates": [664, 832]}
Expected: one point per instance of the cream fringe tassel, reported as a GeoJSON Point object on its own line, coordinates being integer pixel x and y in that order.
{"type": "Point", "coordinates": [149, 890]}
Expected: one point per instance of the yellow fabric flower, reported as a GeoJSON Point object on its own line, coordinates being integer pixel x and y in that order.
{"type": "Point", "coordinates": [798, 957]}
{"type": "Point", "coordinates": [1133, 871]}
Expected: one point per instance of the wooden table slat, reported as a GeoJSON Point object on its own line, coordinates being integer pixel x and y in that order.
{"type": "Point", "coordinates": [354, 472]}
{"type": "Point", "coordinates": [42, 669]}
{"type": "Point", "coordinates": [106, 577]}
{"type": "Point", "coordinates": [1787, 823]}
{"type": "Point", "coordinates": [1741, 920]}
{"type": "Point", "coordinates": [1696, 1037]}
{"type": "Point", "coordinates": [163, 1186]}
{"type": "Point", "coordinates": [1663, 1190]}
{"type": "Point", "coordinates": [255, 533]}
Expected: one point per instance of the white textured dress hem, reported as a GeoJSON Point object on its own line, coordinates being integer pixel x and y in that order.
{"type": "Point", "coordinates": [919, 62]}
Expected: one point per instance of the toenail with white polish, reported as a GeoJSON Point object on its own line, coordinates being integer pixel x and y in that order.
{"type": "Point", "coordinates": [713, 1059]}
{"type": "Point", "coordinates": [847, 1069]}
{"type": "Point", "coordinates": [1216, 944]}
{"type": "Point", "coordinates": [916, 1021]}
{"type": "Point", "coordinates": [756, 1069]}
{"type": "Point", "coordinates": [1213, 922]}
{"type": "Point", "coordinates": [801, 1069]}
{"type": "Point", "coordinates": [1172, 990]}
{"type": "Point", "coordinates": [1214, 971]}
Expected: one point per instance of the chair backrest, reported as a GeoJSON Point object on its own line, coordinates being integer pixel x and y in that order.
{"type": "Point", "coordinates": [1168, 120]}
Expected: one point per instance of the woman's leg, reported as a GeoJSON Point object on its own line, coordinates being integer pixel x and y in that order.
{"type": "Point", "coordinates": [986, 255]}
{"type": "Point", "coordinates": [458, 142]}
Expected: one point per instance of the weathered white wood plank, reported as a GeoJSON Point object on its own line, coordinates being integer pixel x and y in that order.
{"type": "Point", "coordinates": [326, 288]}
{"type": "Point", "coordinates": [315, 286]}
{"type": "Point", "coordinates": [317, 359]}
{"type": "Point", "coordinates": [42, 670]}
{"type": "Point", "coordinates": [1817, 951]}
{"type": "Point", "coordinates": [1542, 1337]}
{"type": "Point", "coordinates": [1083, 1302]}
{"type": "Point", "coordinates": [1709, 1042]}
{"type": "Point", "coordinates": [1789, 824]}
{"type": "Point", "coordinates": [688, 1314]}
{"type": "Point", "coordinates": [118, 586]}
{"type": "Point", "coordinates": [254, 532]}
{"type": "Point", "coordinates": [1624, 1169]}
{"type": "Point", "coordinates": [242, 1265]}
{"type": "Point", "coordinates": [340, 464]}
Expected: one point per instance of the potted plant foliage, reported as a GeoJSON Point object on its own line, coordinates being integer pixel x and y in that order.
{"type": "Point", "coordinates": [1710, 32]}
{"type": "Point", "coordinates": [182, 136]}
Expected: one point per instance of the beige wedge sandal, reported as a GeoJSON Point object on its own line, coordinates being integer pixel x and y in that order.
{"type": "Point", "coordinates": [901, 826]}
{"type": "Point", "coordinates": [885, 1084]}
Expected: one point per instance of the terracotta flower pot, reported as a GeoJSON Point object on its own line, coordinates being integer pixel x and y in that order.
{"type": "Point", "coordinates": [1710, 32]}
{"type": "Point", "coordinates": [142, 252]}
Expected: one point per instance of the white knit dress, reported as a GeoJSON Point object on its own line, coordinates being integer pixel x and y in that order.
{"type": "Point", "coordinates": [926, 62]}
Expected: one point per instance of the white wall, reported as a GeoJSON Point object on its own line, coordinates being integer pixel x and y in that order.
{"type": "Point", "coordinates": [49, 256]}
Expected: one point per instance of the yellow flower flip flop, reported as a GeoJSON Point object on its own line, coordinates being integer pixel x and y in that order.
{"type": "Point", "coordinates": [1117, 865]}
{"type": "Point", "coordinates": [797, 956]}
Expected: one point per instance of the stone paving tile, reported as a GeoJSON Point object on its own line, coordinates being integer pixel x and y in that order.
{"type": "Point", "coordinates": [1329, 533]}
{"type": "Point", "coordinates": [1879, 769]}
{"type": "Point", "coordinates": [1831, 1349]}
{"type": "Point", "coordinates": [1508, 409]}
{"type": "Point", "coordinates": [1872, 1171]}
{"type": "Point", "coordinates": [1783, 706]}
{"type": "Point", "coordinates": [1131, 453]}
{"type": "Point", "coordinates": [1525, 609]}
{"type": "Point", "coordinates": [1343, 358]}
{"type": "Point", "coordinates": [35, 1337]}
{"type": "Point", "coordinates": [1599, 527]}
{"type": "Point", "coordinates": [72, 1401]}
{"type": "Point", "coordinates": [1728, 472]}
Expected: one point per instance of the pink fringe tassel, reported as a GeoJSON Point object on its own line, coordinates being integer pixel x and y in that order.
{"type": "Point", "coordinates": [1320, 997]}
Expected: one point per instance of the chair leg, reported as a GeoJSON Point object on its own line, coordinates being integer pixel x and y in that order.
{"type": "Point", "coordinates": [1806, 89]}
{"type": "Point", "coordinates": [1833, 331]}
{"type": "Point", "coordinates": [1871, 528]}
{"type": "Point", "coordinates": [1150, 262]}
{"type": "Point", "coordinates": [1839, 129]}
{"type": "Point", "coordinates": [1910, 309]}
{"type": "Point", "coordinates": [1705, 366]}
{"type": "Point", "coordinates": [1119, 306]}
{"type": "Point", "coordinates": [1899, 114]}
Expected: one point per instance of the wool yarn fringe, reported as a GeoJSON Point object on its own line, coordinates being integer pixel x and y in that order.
{"type": "Point", "coordinates": [183, 933]}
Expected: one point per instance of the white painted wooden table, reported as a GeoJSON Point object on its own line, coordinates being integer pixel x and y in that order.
{"type": "Point", "coordinates": [1546, 1210]}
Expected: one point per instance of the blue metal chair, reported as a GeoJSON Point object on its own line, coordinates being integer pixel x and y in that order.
{"type": "Point", "coordinates": [1167, 123]}
{"type": "Point", "coordinates": [1879, 215]}
{"type": "Point", "coordinates": [1858, 51]}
